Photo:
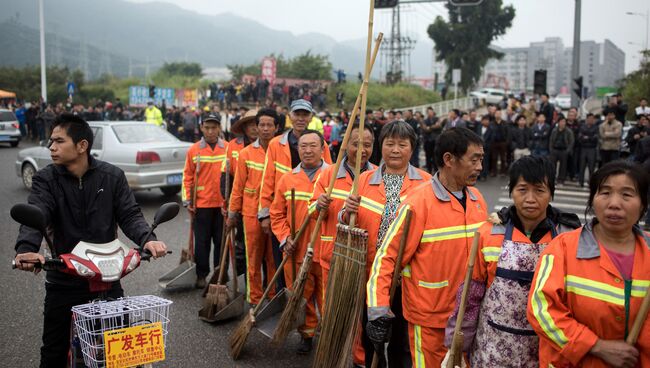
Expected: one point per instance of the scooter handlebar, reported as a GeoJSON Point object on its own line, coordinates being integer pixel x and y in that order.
{"type": "Point", "coordinates": [145, 255]}
{"type": "Point", "coordinates": [50, 264]}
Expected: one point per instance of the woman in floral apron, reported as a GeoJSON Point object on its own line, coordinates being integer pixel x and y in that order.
{"type": "Point", "coordinates": [496, 331]}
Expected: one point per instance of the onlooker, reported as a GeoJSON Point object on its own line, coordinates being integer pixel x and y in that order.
{"type": "Point", "coordinates": [643, 108]}
{"type": "Point", "coordinates": [561, 144]}
{"type": "Point", "coordinates": [573, 162]}
{"type": "Point", "coordinates": [190, 121]}
{"type": "Point", "coordinates": [636, 133]}
{"type": "Point", "coordinates": [546, 108]}
{"type": "Point", "coordinates": [620, 108]}
{"type": "Point", "coordinates": [499, 147]}
{"type": "Point", "coordinates": [588, 141]}
{"type": "Point", "coordinates": [485, 131]}
{"type": "Point", "coordinates": [431, 127]}
{"type": "Point", "coordinates": [610, 138]}
{"type": "Point", "coordinates": [520, 139]}
{"type": "Point", "coordinates": [530, 112]}
{"type": "Point", "coordinates": [454, 120]}
{"type": "Point", "coordinates": [540, 133]}
{"type": "Point", "coordinates": [410, 120]}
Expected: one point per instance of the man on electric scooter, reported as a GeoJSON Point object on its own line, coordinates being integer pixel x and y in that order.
{"type": "Point", "coordinates": [83, 199]}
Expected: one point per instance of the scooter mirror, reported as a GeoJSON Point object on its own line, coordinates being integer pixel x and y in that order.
{"type": "Point", "coordinates": [29, 215]}
{"type": "Point", "coordinates": [166, 212]}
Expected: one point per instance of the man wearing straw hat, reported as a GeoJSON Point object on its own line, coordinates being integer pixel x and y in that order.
{"type": "Point", "coordinates": [445, 212]}
{"type": "Point", "coordinates": [301, 179]}
{"type": "Point", "coordinates": [281, 156]}
{"type": "Point", "coordinates": [244, 200]}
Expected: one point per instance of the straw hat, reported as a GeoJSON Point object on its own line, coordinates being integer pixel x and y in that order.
{"type": "Point", "coordinates": [238, 127]}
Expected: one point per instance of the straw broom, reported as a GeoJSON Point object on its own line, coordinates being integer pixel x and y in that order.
{"type": "Point", "coordinates": [289, 313]}
{"type": "Point", "coordinates": [456, 349]}
{"type": "Point", "coordinates": [240, 334]}
{"type": "Point", "coordinates": [217, 297]}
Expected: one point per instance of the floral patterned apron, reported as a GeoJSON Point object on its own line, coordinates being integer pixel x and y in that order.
{"type": "Point", "coordinates": [504, 337]}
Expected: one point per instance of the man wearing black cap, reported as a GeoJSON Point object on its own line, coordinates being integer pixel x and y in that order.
{"type": "Point", "coordinates": [202, 195]}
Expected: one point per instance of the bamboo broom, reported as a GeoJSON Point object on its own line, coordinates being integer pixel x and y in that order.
{"type": "Point", "coordinates": [293, 231]}
{"type": "Point", "coordinates": [396, 272]}
{"type": "Point", "coordinates": [456, 352]}
{"type": "Point", "coordinates": [639, 320]}
{"type": "Point", "coordinates": [240, 334]}
{"type": "Point", "coordinates": [289, 313]}
{"type": "Point", "coordinates": [217, 296]}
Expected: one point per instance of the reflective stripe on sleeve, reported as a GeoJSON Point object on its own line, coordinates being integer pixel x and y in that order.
{"type": "Point", "coordinates": [540, 304]}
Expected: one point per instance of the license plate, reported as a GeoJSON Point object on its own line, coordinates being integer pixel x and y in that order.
{"type": "Point", "coordinates": [175, 179]}
{"type": "Point", "coordinates": [4, 138]}
{"type": "Point", "coordinates": [2, 127]}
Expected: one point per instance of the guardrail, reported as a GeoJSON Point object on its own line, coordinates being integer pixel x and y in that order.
{"type": "Point", "coordinates": [443, 107]}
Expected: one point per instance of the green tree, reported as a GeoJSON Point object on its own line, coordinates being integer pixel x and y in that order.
{"type": "Point", "coordinates": [636, 85]}
{"type": "Point", "coordinates": [192, 70]}
{"type": "Point", "coordinates": [463, 42]}
{"type": "Point", "coordinates": [305, 66]}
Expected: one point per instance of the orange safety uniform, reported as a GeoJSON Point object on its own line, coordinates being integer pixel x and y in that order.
{"type": "Point", "coordinates": [235, 146]}
{"type": "Point", "coordinates": [244, 199]}
{"type": "Point", "coordinates": [433, 265]}
{"type": "Point", "coordinates": [278, 163]}
{"type": "Point", "coordinates": [578, 296]}
{"type": "Point", "coordinates": [208, 193]}
{"type": "Point", "coordinates": [373, 199]}
{"type": "Point", "coordinates": [280, 224]}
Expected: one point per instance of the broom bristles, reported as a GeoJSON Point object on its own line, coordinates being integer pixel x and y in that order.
{"type": "Point", "coordinates": [288, 317]}
{"type": "Point", "coordinates": [240, 334]}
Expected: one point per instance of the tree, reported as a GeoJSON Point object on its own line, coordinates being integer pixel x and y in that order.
{"type": "Point", "coordinates": [636, 85]}
{"type": "Point", "coordinates": [464, 41]}
{"type": "Point", "coordinates": [304, 66]}
{"type": "Point", "coordinates": [181, 69]}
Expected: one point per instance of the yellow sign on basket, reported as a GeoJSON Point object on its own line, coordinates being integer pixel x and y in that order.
{"type": "Point", "coordinates": [133, 346]}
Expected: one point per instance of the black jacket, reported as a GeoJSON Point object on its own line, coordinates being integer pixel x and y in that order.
{"type": "Point", "coordinates": [520, 138]}
{"type": "Point", "coordinates": [588, 136]}
{"type": "Point", "coordinates": [88, 209]}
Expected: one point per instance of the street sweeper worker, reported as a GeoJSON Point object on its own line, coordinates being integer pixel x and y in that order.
{"type": "Point", "coordinates": [302, 179]}
{"type": "Point", "coordinates": [342, 187]}
{"type": "Point", "coordinates": [445, 213]}
{"type": "Point", "coordinates": [590, 282]}
{"type": "Point", "coordinates": [281, 156]}
{"type": "Point", "coordinates": [495, 329]}
{"type": "Point", "coordinates": [380, 193]}
{"type": "Point", "coordinates": [245, 131]}
{"type": "Point", "coordinates": [244, 200]}
{"type": "Point", "coordinates": [209, 154]}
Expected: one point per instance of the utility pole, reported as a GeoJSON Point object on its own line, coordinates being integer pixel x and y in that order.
{"type": "Point", "coordinates": [575, 64]}
{"type": "Point", "coordinates": [41, 20]}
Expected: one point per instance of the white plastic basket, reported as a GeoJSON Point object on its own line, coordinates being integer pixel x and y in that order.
{"type": "Point", "coordinates": [93, 319]}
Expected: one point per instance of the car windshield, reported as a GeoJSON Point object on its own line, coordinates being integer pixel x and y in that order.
{"type": "Point", "coordinates": [7, 116]}
{"type": "Point", "coordinates": [140, 133]}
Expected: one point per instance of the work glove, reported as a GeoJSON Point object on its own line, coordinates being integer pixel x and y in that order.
{"type": "Point", "coordinates": [378, 330]}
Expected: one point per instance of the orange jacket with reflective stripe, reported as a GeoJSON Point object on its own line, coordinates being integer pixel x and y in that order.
{"type": "Point", "coordinates": [373, 199]}
{"type": "Point", "coordinates": [341, 190]}
{"type": "Point", "coordinates": [244, 197]}
{"type": "Point", "coordinates": [435, 256]}
{"type": "Point", "coordinates": [232, 153]}
{"type": "Point", "coordinates": [281, 209]}
{"type": "Point", "coordinates": [208, 194]}
{"type": "Point", "coordinates": [578, 296]}
{"type": "Point", "coordinates": [276, 164]}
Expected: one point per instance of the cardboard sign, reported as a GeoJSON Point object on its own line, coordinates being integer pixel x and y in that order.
{"type": "Point", "coordinates": [133, 346]}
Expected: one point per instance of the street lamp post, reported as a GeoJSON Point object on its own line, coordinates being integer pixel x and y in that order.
{"type": "Point", "coordinates": [647, 23]}
{"type": "Point", "coordinates": [41, 18]}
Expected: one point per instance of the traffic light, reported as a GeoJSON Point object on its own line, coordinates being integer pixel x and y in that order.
{"type": "Point", "coordinates": [385, 4]}
{"type": "Point", "coordinates": [539, 82]}
{"type": "Point", "coordinates": [152, 91]}
{"type": "Point", "coordinates": [578, 90]}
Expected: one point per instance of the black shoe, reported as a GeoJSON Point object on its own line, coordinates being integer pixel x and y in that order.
{"type": "Point", "coordinates": [200, 283]}
{"type": "Point", "coordinates": [305, 346]}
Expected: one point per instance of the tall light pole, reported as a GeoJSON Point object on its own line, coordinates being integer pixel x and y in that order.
{"type": "Point", "coordinates": [43, 74]}
{"type": "Point", "coordinates": [647, 23]}
{"type": "Point", "coordinates": [575, 64]}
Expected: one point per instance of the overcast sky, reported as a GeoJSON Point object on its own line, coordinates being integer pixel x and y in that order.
{"type": "Point", "coordinates": [535, 19]}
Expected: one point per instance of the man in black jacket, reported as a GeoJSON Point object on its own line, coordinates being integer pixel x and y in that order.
{"type": "Point", "coordinates": [83, 199]}
{"type": "Point", "coordinates": [546, 108]}
{"type": "Point", "coordinates": [588, 141]}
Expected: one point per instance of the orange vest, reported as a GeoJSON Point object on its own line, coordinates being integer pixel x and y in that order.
{"type": "Point", "coordinates": [278, 163]}
{"type": "Point", "coordinates": [244, 197]}
{"type": "Point", "coordinates": [435, 256]}
{"type": "Point", "coordinates": [209, 162]}
{"type": "Point", "coordinates": [280, 211]}
{"type": "Point", "coordinates": [341, 190]}
{"type": "Point", "coordinates": [373, 199]}
{"type": "Point", "coordinates": [578, 296]}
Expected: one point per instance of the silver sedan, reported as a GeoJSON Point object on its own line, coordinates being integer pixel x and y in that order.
{"type": "Point", "coordinates": [149, 156]}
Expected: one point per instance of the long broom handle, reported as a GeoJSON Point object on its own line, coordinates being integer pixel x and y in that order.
{"type": "Point", "coordinates": [344, 144]}
{"type": "Point", "coordinates": [233, 260]}
{"type": "Point", "coordinates": [190, 244]}
{"type": "Point", "coordinates": [224, 236]}
{"type": "Point", "coordinates": [269, 286]}
{"type": "Point", "coordinates": [640, 319]}
{"type": "Point", "coordinates": [463, 302]}
{"type": "Point", "coordinates": [293, 230]}
{"type": "Point", "coordinates": [362, 118]}
{"type": "Point", "coordinates": [222, 262]}
{"type": "Point", "coordinates": [396, 272]}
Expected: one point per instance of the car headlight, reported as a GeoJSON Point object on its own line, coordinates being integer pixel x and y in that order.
{"type": "Point", "coordinates": [81, 269]}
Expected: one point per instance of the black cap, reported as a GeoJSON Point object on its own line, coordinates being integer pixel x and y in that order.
{"type": "Point", "coordinates": [212, 117]}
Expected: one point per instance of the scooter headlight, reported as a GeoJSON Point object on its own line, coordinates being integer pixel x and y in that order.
{"type": "Point", "coordinates": [133, 263]}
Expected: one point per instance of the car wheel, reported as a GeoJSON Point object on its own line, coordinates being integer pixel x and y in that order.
{"type": "Point", "coordinates": [170, 191]}
{"type": "Point", "coordinates": [14, 144]}
{"type": "Point", "coordinates": [27, 174]}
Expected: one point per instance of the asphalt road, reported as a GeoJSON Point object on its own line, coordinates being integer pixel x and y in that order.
{"type": "Point", "coordinates": [191, 343]}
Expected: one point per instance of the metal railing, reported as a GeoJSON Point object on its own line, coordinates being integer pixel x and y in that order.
{"type": "Point", "coordinates": [443, 107]}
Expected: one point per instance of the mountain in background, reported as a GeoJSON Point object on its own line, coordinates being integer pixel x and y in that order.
{"type": "Point", "coordinates": [115, 33]}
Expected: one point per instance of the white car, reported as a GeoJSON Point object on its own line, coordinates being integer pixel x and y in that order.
{"type": "Point", "coordinates": [489, 95]}
{"type": "Point", "coordinates": [9, 128]}
{"type": "Point", "coordinates": [563, 101]}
